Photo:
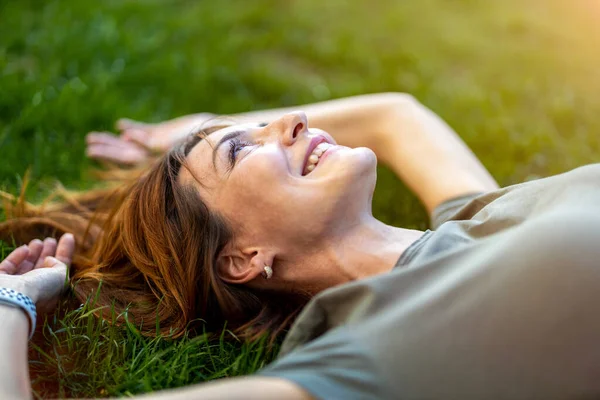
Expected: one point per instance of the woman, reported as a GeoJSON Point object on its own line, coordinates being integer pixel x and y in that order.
{"type": "Point", "coordinates": [250, 221]}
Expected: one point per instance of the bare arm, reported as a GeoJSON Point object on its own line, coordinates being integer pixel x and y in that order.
{"type": "Point", "coordinates": [14, 380]}
{"type": "Point", "coordinates": [429, 156]}
{"type": "Point", "coordinates": [414, 142]}
{"type": "Point", "coordinates": [357, 121]}
{"type": "Point", "coordinates": [406, 136]}
{"type": "Point", "coordinates": [259, 388]}
{"type": "Point", "coordinates": [33, 271]}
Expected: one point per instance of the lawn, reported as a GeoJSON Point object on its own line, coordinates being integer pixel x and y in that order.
{"type": "Point", "coordinates": [518, 80]}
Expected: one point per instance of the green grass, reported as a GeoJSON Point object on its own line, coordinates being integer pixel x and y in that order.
{"type": "Point", "coordinates": [82, 356]}
{"type": "Point", "coordinates": [518, 80]}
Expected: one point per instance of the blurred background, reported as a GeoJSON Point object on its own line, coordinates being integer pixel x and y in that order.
{"type": "Point", "coordinates": [517, 79]}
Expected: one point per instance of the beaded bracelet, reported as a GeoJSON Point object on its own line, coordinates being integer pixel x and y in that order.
{"type": "Point", "coordinates": [13, 298]}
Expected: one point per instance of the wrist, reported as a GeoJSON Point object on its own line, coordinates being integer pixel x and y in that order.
{"type": "Point", "coordinates": [14, 383]}
{"type": "Point", "coordinates": [12, 299]}
{"type": "Point", "coordinates": [14, 318]}
{"type": "Point", "coordinates": [178, 129]}
{"type": "Point", "coordinates": [13, 314]}
{"type": "Point", "coordinates": [192, 120]}
{"type": "Point", "coordinates": [19, 285]}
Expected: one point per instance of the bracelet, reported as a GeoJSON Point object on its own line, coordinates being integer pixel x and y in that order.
{"type": "Point", "coordinates": [13, 298]}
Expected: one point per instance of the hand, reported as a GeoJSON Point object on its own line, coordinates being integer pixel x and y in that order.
{"type": "Point", "coordinates": [39, 270]}
{"type": "Point", "coordinates": [137, 140]}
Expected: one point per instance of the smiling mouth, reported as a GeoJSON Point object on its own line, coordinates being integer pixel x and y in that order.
{"type": "Point", "coordinates": [315, 156]}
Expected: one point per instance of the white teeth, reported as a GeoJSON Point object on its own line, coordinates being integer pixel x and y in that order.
{"type": "Point", "coordinates": [316, 154]}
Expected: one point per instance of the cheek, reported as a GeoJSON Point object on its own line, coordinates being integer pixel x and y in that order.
{"type": "Point", "coordinates": [262, 190]}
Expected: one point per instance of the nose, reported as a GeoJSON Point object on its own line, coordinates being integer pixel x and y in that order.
{"type": "Point", "coordinates": [289, 127]}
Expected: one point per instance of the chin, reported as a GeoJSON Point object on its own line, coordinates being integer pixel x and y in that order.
{"type": "Point", "coordinates": [349, 190]}
{"type": "Point", "coordinates": [350, 169]}
{"type": "Point", "coordinates": [358, 172]}
{"type": "Point", "coordinates": [364, 161]}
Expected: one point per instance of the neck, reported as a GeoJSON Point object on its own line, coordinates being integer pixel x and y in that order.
{"type": "Point", "coordinates": [367, 248]}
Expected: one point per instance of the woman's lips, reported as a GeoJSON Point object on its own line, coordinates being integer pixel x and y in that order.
{"type": "Point", "coordinates": [326, 149]}
{"type": "Point", "coordinates": [311, 146]}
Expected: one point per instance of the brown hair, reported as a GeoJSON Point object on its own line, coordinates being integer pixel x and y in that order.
{"type": "Point", "coordinates": [151, 245]}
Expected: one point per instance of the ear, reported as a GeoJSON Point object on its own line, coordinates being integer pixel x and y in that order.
{"type": "Point", "coordinates": [241, 266]}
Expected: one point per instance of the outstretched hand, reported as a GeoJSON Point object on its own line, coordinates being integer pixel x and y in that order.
{"type": "Point", "coordinates": [137, 141]}
{"type": "Point", "coordinates": [39, 270]}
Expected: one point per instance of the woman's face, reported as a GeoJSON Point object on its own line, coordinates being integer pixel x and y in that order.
{"type": "Point", "coordinates": [286, 189]}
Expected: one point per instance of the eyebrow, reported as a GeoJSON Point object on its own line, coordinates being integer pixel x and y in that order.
{"type": "Point", "coordinates": [224, 139]}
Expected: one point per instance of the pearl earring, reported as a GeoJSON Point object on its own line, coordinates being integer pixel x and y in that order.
{"type": "Point", "coordinates": [268, 272]}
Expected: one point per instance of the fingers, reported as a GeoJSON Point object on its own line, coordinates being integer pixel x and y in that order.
{"type": "Point", "coordinates": [138, 136]}
{"type": "Point", "coordinates": [46, 280]}
{"type": "Point", "coordinates": [104, 138]}
{"type": "Point", "coordinates": [48, 249]}
{"type": "Point", "coordinates": [131, 154]}
{"type": "Point", "coordinates": [35, 249]}
{"type": "Point", "coordinates": [15, 258]}
{"type": "Point", "coordinates": [65, 249]}
{"type": "Point", "coordinates": [126, 123]}
{"type": "Point", "coordinates": [108, 147]}
{"type": "Point", "coordinates": [104, 152]}
{"type": "Point", "coordinates": [53, 262]}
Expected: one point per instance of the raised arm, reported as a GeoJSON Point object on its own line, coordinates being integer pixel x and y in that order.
{"type": "Point", "coordinates": [429, 156]}
{"type": "Point", "coordinates": [406, 136]}
{"type": "Point", "coordinates": [414, 142]}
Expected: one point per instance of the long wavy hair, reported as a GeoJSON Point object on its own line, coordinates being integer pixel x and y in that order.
{"type": "Point", "coordinates": [147, 245]}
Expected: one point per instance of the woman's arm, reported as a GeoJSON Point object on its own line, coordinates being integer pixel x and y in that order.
{"type": "Point", "coordinates": [406, 136]}
{"type": "Point", "coordinates": [14, 380]}
{"type": "Point", "coordinates": [429, 156]}
{"type": "Point", "coordinates": [353, 122]}
{"type": "Point", "coordinates": [358, 121]}
{"type": "Point", "coordinates": [414, 142]}
{"type": "Point", "coordinates": [33, 271]}
{"type": "Point", "coordinates": [249, 388]}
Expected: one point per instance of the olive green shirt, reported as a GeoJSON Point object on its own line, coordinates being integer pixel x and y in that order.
{"type": "Point", "coordinates": [500, 301]}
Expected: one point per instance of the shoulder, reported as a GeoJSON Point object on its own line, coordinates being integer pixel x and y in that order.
{"type": "Point", "coordinates": [518, 201]}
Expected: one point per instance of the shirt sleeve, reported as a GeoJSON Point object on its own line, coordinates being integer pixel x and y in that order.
{"type": "Point", "coordinates": [331, 367]}
{"type": "Point", "coordinates": [450, 210]}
